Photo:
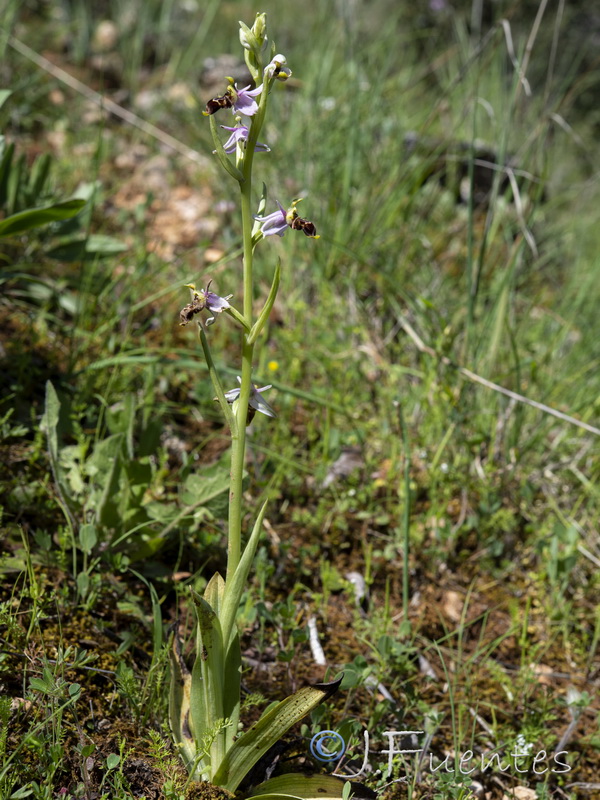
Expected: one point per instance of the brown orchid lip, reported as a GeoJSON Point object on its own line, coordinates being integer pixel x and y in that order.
{"type": "Point", "coordinates": [203, 299]}
{"type": "Point", "coordinates": [305, 225]}
{"type": "Point", "coordinates": [214, 105]}
{"type": "Point", "coordinates": [189, 312]}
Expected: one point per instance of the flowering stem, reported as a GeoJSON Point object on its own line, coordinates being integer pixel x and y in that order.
{"type": "Point", "coordinates": [238, 451]}
{"type": "Point", "coordinates": [204, 705]}
{"type": "Point", "coordinates": [238, 436]}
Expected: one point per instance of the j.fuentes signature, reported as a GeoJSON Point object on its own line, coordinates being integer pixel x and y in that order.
{"type": "Point", "coordinates": [329, 746]}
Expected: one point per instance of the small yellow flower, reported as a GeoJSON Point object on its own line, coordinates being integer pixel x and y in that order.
{"type": "Point", "coordinates": [273, 366]}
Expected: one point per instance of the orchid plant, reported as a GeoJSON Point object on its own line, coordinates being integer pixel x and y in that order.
{"type": "Point", "coordinates": [204, 704]}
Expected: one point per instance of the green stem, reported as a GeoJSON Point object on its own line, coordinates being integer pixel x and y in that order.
{"type": "Point", "coordinates": [238, 452]}
{"type": "Point", "coordinates": [238, 438]}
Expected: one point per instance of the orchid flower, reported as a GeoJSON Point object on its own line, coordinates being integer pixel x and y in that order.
{"type": "Point", "coordinates": [204, 299]}
{"type": "Point", "coordinates": [277, 69]}
{"type": "Point", "coordinates": [240, 101]}
{"type": "Point", "coordinates": [275, 223]}
{"type": "Point", "coordinates": [240, 134]}
{"type": "Point", "coordinates": [256, 401]}
{"type": "Point", "coordinates": [243, 100]}
{"type": "Point", "coordinates": [279, 221]}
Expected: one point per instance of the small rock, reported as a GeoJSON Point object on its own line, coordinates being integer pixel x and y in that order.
{"type": "Point", "coordinates": [520, 793]}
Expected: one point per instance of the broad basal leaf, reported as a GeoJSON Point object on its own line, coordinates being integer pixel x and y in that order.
{"type": "Point", "coordinates": [206, 694]}
{"type": "Point", "coordinates": [252, 745]}
{"type": "Point", "coordinates": [36, 217]}
{"type": "Point", "coordinates": [314, 787]}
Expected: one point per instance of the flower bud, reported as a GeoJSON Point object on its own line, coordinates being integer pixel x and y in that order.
{"type": "Point", "coordinates": [277, 69]}
{"type": "Point", "coordinates": [254, 41]}
{"type": "Point", "coordinates": [259, 29]}
{"type": "Point", "coordinates": [248, 39]}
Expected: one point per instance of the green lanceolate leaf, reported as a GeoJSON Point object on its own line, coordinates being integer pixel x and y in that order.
{"type": "Point", "coordinates": [214, 593]}
{"type": "Point", "coordinates": [278, 796]}
{"type": "Point", "coordinates": [206, 696]}
{"type": "Point", "coordinates": [252, 745]}
{"type": "Point", "coordinates": [38, 176]}
{"type": "Point", "coordinates": [264, 314]}
{"type": "Point", "coordinates": [232, 668]}
{"type": "Point", "coordinates": [235, 587]}
{"type": "Point", "coordinates": [222, 155]}
{"type": "Point", "coordinates": [35, 217]}
{"type": "Point", "coordinates": [231, 688]}
{"type": "Point", "coordinates": [314, 787]}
